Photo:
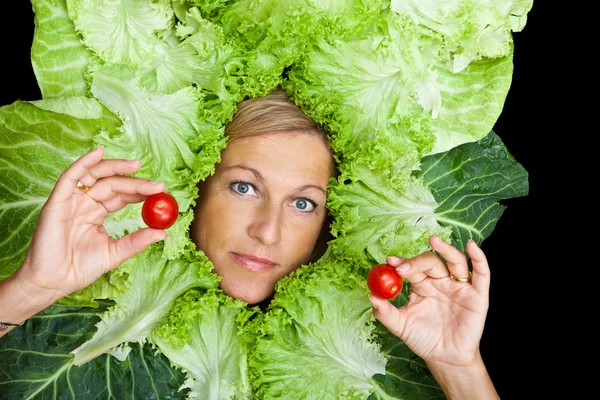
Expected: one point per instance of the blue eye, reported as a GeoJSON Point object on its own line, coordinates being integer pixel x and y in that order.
{"type": "Point", "coordinates": [305, 205]}
{"type": "Point", "coordinates": [242, 187]}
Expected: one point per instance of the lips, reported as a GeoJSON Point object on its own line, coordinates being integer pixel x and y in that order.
{"type": "Point", "coordinates": [253, 263]}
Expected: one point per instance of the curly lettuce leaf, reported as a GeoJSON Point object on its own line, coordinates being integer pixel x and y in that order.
{"type": "Point", "coordinates": [108, 286]}
{"type": "Point", "coordinates": [371, 82]}
{"type": "Point", "coordinates": [379, 208]}
{"type": "Point", "coordinates": [159, 130]}
{"type": "Point", "coordinates": [316, 337]}
{"type": "Point", "coordinates": [136, 26]}
{"type": "Point", "coordinates": [155, 285]}
{"type": "Point", "coordinates": [198, 54]}
{"type": "Point", "coordinates": [286, 28]}
{"type": "Point", "coordinates": [165, 132]}
{"type": "Point", "coordinates": [319, 339]}
{"type": "Point", "coordinates": [472, 29]}
{"type": "Point", "coordinates": [275, 34]}
{"type": "Point", "coordinates": [202, 339]}
{"type": "Point", "coordinates": [392, 79]}
{"type": "Point", "coordinates": [454, 195]}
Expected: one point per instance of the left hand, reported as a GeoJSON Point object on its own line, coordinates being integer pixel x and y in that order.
{"type": "Point", "coordinates": [443, 320]}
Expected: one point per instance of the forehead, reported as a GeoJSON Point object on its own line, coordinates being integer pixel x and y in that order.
{"type": "Point", "coordinates": [299, 158]}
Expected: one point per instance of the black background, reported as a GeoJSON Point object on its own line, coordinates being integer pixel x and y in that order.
{"type": "Point", "coordinates": [511, 343]}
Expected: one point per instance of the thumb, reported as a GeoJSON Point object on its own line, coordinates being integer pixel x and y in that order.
{"type": "Point", "coordinates": [387, 314]}
{"type": "Point", "coordinates": [134, 243]}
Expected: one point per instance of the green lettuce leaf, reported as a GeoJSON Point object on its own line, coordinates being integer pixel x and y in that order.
{"type": "Point", "coordinates": [371, 79]}
{"type": "Point", "coordinates": [393, 79]}
{"type": "Point", "coordinates": [472, 29]}
{"type": "Point", "coordinates": [101, 24]}
{"type": "Point", "coordinates": [166, 133]}
{"type": "Point", "coordinates": [155, 285]}
{"type": "Point", "coordinates": [58, 57]}
{"type": "Point", "coordinates": [469, 115]}
{"type": "Point", "coordinates": [378, 207]}
{"type": "Point", "coordinates": [202, 339]}
{"type": "Point", "coordinates": [286, 28]}
{"type": "Point", "coordinates": [454, 195]}
{"type": "Point", "coordinates": [317, 336]}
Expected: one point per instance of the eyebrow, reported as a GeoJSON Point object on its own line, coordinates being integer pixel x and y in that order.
{"type": "Point", "coordinates": [261, 178]}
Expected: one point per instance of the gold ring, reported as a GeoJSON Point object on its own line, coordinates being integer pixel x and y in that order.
{"type": "Point", "coordinates": [461, 280]}
{"type": "Point", "coordinates": [82, 187]}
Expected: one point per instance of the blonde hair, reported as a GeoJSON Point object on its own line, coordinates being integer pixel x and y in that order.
{"type": "Point", "coordinates": [273, 113]}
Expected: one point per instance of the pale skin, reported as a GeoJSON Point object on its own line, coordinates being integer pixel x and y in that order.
{"type": "Point", "coordinates": [442, 322]}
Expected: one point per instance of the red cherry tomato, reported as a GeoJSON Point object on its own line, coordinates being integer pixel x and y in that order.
{"type": "Point", "coordinates": [384, 281]}
{"type": "Point", "coordinates": [160, 211]}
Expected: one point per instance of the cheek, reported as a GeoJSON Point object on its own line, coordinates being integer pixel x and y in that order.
{"type": "Point", "coordinates": [301, 238]}
{"type": "Point", "coordinates": [221, 221]}
{"type": "Point", "coordinates": [215, 222]}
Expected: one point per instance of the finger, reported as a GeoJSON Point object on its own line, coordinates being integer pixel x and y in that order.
{"type": "Point", "coordinates": [394, 261]}
{"type": "Point", "coordinates": [481, 269]}
{"type": "Point", "coordinates": [118, 201]}
{"type": "Point", "coordinates": [106, 188]}
{"type": "Point", "coordinates": [455, 259]}
{"type": "Point", "coordinates": [387, 314]}
{"type": "Point", "coordinates": [67, 182]}
{"type": "Point", "coordinates": [110, 167]}
{"type": "Point", "coordinates": [134, 243]}
{"type": "Point", "coordinates": [422, 266]}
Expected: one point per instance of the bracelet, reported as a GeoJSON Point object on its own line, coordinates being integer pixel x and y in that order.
{"type": "Point", "coordinates": [4, 325]}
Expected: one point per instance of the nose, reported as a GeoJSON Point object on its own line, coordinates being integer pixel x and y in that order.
{"type": "Point", "coordinates": [267, 224]}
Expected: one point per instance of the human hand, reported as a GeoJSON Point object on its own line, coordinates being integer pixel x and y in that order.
{"type": "Point", "coordinates": [70, 248]}
{"type": "Point", "coordinates": [443, 320]}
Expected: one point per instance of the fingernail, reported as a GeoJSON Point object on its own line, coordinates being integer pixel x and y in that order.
{"type": "Point", "coordinates": [435, 239]}
{"type": "Point", "coordinates": [134, 161]}
{"type": "Point", "coordinates": [474, 242]}
{"type": "Point", "coordinates": [99, 148]}
{"type": "Point", "coordinates": [403, 267]}
{"type": "Point", "coordinates": [160, 237]}
{"type": "Point", "coordinates": [371, 299]}
{"type": "Point", "coordinates": [155, 183]}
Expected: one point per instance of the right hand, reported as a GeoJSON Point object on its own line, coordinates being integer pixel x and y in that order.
{"type": "Point", "coordinates": [70, 248]}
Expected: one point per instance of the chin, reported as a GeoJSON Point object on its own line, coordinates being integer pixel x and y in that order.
{"type": "Point", "coordinates": [250, 295]}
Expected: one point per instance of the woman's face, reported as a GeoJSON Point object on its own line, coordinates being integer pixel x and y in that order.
{"type": "Point", "coordinates": [258, 217]}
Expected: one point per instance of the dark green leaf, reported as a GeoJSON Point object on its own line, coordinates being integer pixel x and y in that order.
{"type": "Point", "coordinates": [468, 182]}
{"type": "Point", "coordinates": [35, 363]}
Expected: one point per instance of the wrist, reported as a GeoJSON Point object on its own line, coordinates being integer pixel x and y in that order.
{"type": "Point", "coordinates": [470, 381]}
{"type": "Point", "coordinates": [20, 299]}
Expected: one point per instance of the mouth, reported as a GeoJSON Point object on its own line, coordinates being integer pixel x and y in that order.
{"type": "Point", "coordinates": [253, 263]}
